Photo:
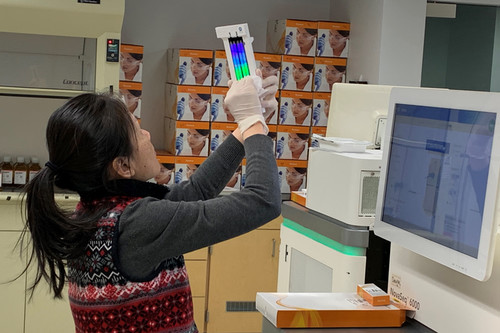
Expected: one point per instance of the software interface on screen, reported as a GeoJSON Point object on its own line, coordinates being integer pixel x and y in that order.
{"type": "Point", "coordinates": [437, 174]}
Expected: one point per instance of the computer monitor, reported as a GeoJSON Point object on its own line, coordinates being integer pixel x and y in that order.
{"type": "Point", "coordinates": [438, 189]}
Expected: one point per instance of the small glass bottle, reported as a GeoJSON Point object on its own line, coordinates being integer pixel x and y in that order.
{"type": "Point", "coordinates": [33, 168]}
{"type": "Point", "coordinates": [7, 172]}
{"type": "Point", "coordinates": [20, 172]}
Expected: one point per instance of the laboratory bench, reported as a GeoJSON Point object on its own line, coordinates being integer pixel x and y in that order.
{"type": "Point", "coordinates": [410, 326]}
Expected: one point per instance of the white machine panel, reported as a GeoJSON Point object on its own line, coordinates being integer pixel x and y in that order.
{"type": "Point", "coordinates": [445, 300]}
{"type": "Point", "coordinates": [344, 185]}
{"type": "Point", "coordinates": [306, 265]}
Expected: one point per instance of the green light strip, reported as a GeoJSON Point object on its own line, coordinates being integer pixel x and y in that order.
{"type": "Point", "coordinates": [344, 249]}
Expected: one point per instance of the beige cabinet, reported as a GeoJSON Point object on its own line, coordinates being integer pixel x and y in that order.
{"type": "Point", "coordinates": [18, 311]}
{"type": "Point", "coordinates": [11, 293]}
{"type": "Point", "coordinates": [239, 268]}
{"type": "Point", "coordinates": [197, 266]}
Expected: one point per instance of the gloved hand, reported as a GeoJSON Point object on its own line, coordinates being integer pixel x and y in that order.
{"type": "Point", "coordinates": [267, 95]}
{"type": "Point", "coordinates": [243, 102]}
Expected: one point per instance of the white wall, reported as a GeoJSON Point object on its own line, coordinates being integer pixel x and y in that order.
{"type": "Point", "coordinates": [160, 24]}
{"type": "Point", "coordinates": [387, 38]}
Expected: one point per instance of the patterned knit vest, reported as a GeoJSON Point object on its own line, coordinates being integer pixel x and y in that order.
{"type": "Point", "coordinates": [103, 300]}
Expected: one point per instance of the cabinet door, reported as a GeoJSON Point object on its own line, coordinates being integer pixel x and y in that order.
{"type": "Point", "coordinates": [11, 293]}
{"type": "Point", "coordinates": [46, 314]}
{"type": "Point", "coordinates": [239, 268]}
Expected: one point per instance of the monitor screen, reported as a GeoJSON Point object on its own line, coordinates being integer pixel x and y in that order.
{"type": "Point", "coordinates": [440, 176]}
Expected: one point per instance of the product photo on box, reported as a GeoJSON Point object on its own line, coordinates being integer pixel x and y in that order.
{"type": "Point", "coordinates": [333, 39]}
{"type": "Point", "coordinates": [297, 73]}
{"type": "Point", "coordinates": [292, 142]}
{"type": "Point", "coordinates": [190, 66]}
{"type": "Point", "coordinates": [218, 111]}
{"type": "Point", "coordinates": [185, 167]}
{"type": "Point", "coordinates": [320, 109]}
{"type": "Point", "coordinates": [191, 103]}
{"type": "Point", "coordinates": [292, 175]}
{"type": "Point", "coordinates": [219, 132]}
{"type": "Point", "coordinates": [166, 175]}
{"type": "Point", "coordinates": [131, 62]}
{"type": "Point", "coordinates": [292, 37]}
{"type": "Point", "coordinates": [131, 94]}
{"type": "Point", "coordinates": [295, 108]}
{"type": "Point", "coordinates": [328, 71]}
{"type": "Point", "coordinates": [268, 63]}
{"type": "Point", "coordinates": [221, 69]}
{"type": "Point", "coordinates": [187, 138]}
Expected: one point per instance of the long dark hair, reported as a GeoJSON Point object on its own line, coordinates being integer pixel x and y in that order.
{"type": "Point", "coordinates": [83, 137]}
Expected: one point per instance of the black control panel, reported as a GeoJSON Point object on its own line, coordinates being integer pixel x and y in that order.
{"type": "Point", "coordinates": [113, 50]}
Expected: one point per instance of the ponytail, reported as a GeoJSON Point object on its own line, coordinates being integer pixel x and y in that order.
{"type": "Point", "coordinates": [56, 234]}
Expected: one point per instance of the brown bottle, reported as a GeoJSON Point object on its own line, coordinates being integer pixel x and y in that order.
{"type": "Point", "coordinates": [33, 168]}
{"type": "Point", "coordinates": [20, 172]}
{"type": "Point", "coordinates": [7, 172]}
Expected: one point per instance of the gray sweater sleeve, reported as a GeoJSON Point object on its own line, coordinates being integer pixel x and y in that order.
{"type": "Point", "coordinates": [212, 175]}
{"type": "Point", "coordinates": [152, 230]}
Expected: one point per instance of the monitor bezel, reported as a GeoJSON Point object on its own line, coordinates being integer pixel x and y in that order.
{"type": "Point", "coordinates": [478, 268]}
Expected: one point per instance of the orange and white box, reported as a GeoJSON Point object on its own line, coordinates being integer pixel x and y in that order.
{"type": "Point", "coordinates": [320, 109]}
{"type": "Point", "coordinates": [219, 132]}
{"type": "Point", "coordinates": [190, 103]}
{"type": "Point", "coordinates": [217, 111]}
{"type": "Point", "coordinates": [131, 94]}
{"type": "Point", "coordinates": [273, 133]}
{"type": "Point", "coordinates": [185, 166]}
{"type": "Point", "coordinates": [292, 175]}
{"type": "Point", "coordinates": [295, 108]}
{"type": "Point", "coordinates": [272, 119]}
{"type": "Point", "coordinates": [292, 142]}
{"type": "Point", "coordinates": [190, 66]}
{"type": "Point", "coordinates": [333, 39]}
{"type": "Point", "coordinates": [318, 130]}
{"type": "Point", "coordinates": [293, 37]}
{"type": "Point", "coordinates": [131, 62]}
{"type": "Point", "coordinates": [297, 73]}
{"type": "Point", "coordinates": [373, 294]}
{"type": "Point", "coordinates": [328, 71]}
{"type": "Point", "coordinates": [326, 310]}
{"type": "Point", "coordinates": [187, 138]}
{"type": "Point", "coordinates": [166, 176]}
{"type": "Point", "coordinates": [299, 197]}
{"type": "Point", "coordinates": [221, 70]}
{"type": "Point", "coordinates": [268, 63]}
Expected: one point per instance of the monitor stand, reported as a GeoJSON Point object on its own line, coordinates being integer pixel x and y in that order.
{"type": "Point", "coordinates": [445, 300]}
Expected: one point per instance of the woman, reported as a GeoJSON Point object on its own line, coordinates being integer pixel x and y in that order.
{"type": "Point", "coordinates": [302, 76]}
{"type": "Point", "coordinates": [338, 42]}
{"type": "Point", "coordinates": [305, 42]}
{"type": "Point", "coordinates": [297, 143]}
{"type": "Point", "coordinates": [121, 250]}
{"type": "Point", "coordinates": [165, 175]}
{"type": "Point", "coordinates": [334, 74]}
{"type": "Point", "coordinates": [197, 140]}
{"type": "Point", "coordinates": [295, 178]}
{"type": "Point", "coordinates": [269, 68]}
{"type": "Point", "coordinates": [301, 108]}
{"type": "Point", "coordinates": [132, 99]}
{"type": "Point", "coordinates": [198, 105]}
{"type": "Point", "coordinates": [131, 66]}
{"type": "Point", "coordinates": [201, 71]}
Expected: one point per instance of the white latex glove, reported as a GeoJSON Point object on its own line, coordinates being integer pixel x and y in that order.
{"type": "Point", "coordinates": [267, 94]}
{"type": "Point", "coordinates": [243, 102]}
